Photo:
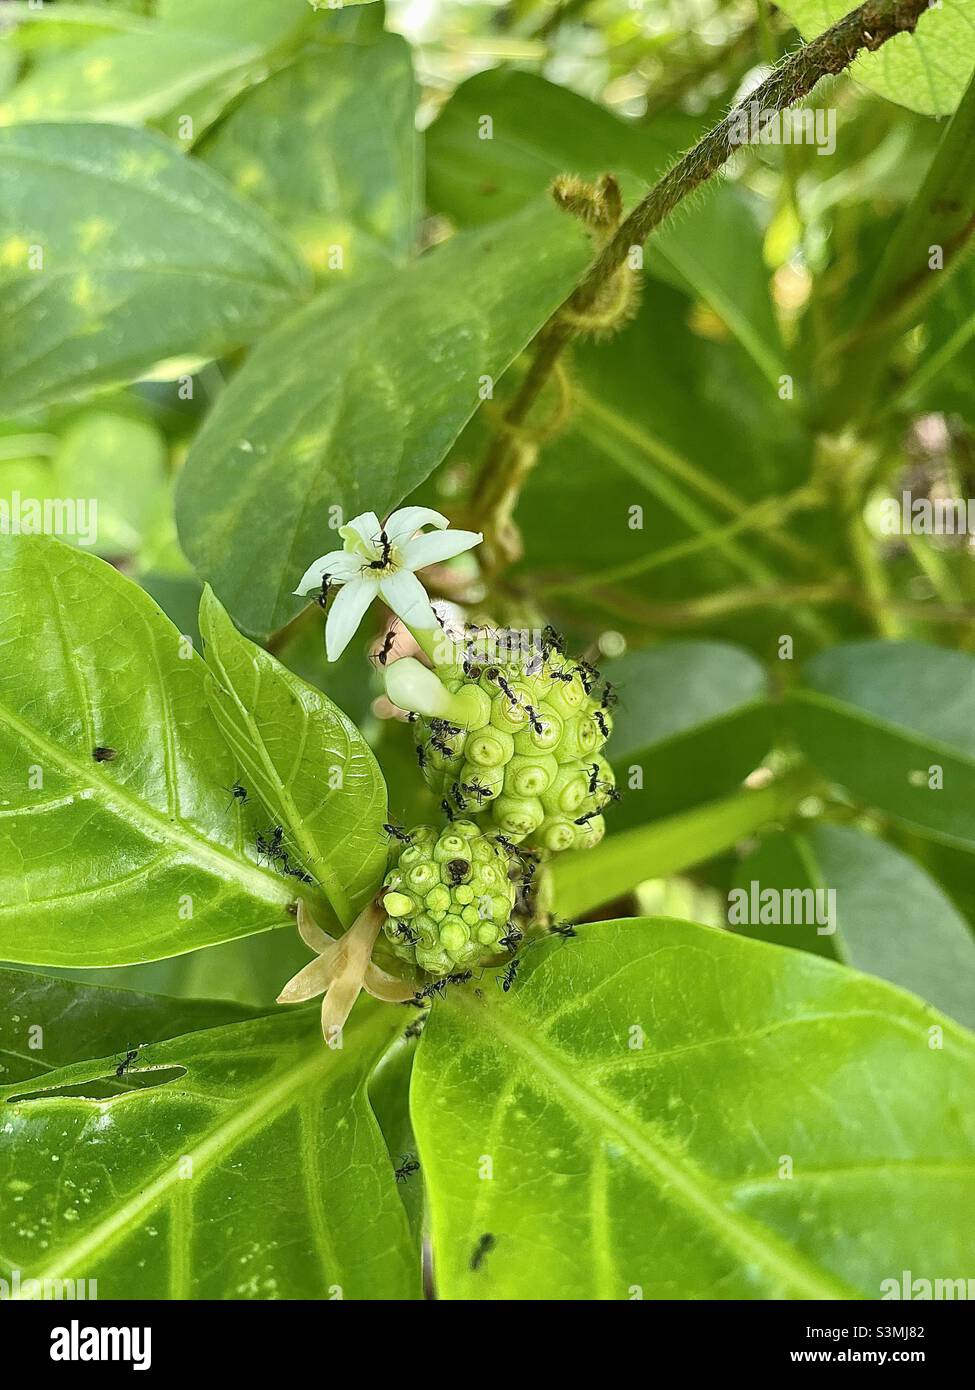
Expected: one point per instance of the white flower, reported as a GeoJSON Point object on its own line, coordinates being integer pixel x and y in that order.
{"type": "Point", "coordinates": [381, 561]}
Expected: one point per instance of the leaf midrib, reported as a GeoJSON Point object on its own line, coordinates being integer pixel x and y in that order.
{"type": "Point", "coordinates": [684, 1183]}
{"type": "Point", "coordinates": [151, 823]}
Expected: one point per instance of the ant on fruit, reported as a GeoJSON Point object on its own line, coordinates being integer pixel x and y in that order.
{"type": "Point", "coordinates": [101, 754]}
{"type": "Point", "coordinates": [508, 845]}
{"type": "Point", "coordinates": [404, 930]}
{"type": "Point", "coordinates": [600, 719]}
{"type": "Point", "coordinates": [538, 727]}
{"type": "Point", "coordinates": [387, 546]}
{"type": "Point", "coordinates": [477, 789]}
{"type": "Point", "coordinates": [460, 800]}
{"type": "Point", "coordinates": [483, 1247]}
{"type": "Point", "coordinates": [510, 695]}
{"type": "Point", "coordinates": [593, 778]}
{"type": "Point", "coordinates": [513, 939]}
{"type": "Point", "coordinates": [447, 809]}
{"type": "Point", "coordinates": [566, 677]}
{"type": "Point", "coordinates": [582, 820]}
{"type": "Point", "coordinates": [126, 1061]}
{"type": "Point", "coordinates": [508, 978]}
{"type": "Point", "coordinates": [552, 641]}
{"type": "Point", "coordinates": [407, 1167]}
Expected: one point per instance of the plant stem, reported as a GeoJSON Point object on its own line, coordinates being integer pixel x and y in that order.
{"type": "Point", "coordinates": [868, 27]}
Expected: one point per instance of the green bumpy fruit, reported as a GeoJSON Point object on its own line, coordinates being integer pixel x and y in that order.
{"type": "Point", "coordinates": [449, 897]}
{"type": "Point", "coordinates": [529, 763]}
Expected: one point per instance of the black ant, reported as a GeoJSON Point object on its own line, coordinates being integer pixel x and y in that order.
{"type": "Point", "coordinates": [382, 656]}
{"type": "Point", "coordinates": [483, 1247]}
{"type": "Point", "coordinates": [439, 987]}
{"type": "Point", "coordinates": [471, 669]}
{"type": "Point", "coordinates": [566, 677]}
{"type": "Point", "coordinates": [447, 809]}
{"type": "Point", "coordinates": [387, 546]}
{"type": "Point", "coordinates": [404, 930]}
{"type": "Point", "coordinates": [552, 640]}
{"type": "Point", "coordinates": [270, 848]}
{"type": "Point", "coordinates": [295, 871]}
{"type": "Point", "coordinates": [508, 978]}
{"type": "Point", "coordinates": [417, 1027]}
{"type": "Point", "coordinates": [477, 790]}
{"type": "Point", "coordinates": [610, 695]}
{"type": "Point", "coordinates": [508, 845]}
{"type": "Point", "coordinates": [127, 1061]}
{"type": "Point", "coordinates": [600, 719]}
{"type": "Point", "coordinates": [407, 1167]}
{"type": "Point", "coordinates": [421, 756]}
{"type": "Point", "coordinates": [508, 692]}
{"type": "Point", "coordinates": [513, 939]}
{"type": "Point", "coordinates": [588, 674]}
{"type": "Point", "coordinates": [459, 799]}
{"type": "Point", "coordinates": [458, 869]}
{"type": "Point", "coordinates": [581, 820]}
{"type": "Point", "coordinates": [396, 832]}
{"type": "Point", "coordinates": [537, 726]}
{"type": "Point", "coordinates": [323, 595]}
{"type": "Point", "coordinates": [102, 754]}
{"type": "Point", "coordinates": [237, 793]}
{"type": "Point", "coordinates": [593, 778]}
{"type": "Point", "coordinates": [563, 929]}
{"type": "Point", "coordinates": [446, 749]}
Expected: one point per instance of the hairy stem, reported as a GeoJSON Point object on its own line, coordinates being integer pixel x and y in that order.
{"type": "Point", "coordinates": [868, 27]}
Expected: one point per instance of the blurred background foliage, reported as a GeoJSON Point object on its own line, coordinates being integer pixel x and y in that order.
{"type": "Point", "coordinates": [357, 129]}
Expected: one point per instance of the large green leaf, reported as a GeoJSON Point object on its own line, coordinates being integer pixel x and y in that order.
{"type": "Point", "coordinates": [146, 255]}
{"type": "Point", "coordinates": [693, 718]}
{"type": "Point", "coordinates": [308, 763]}
{"type": "Point", "coordinates": [540, 130]}
{"type": "Point", "coordinates": [154, 66]}
{"type": "Point", "coordinates": [894, 722]}
{"type": "Point", "coordinates": [926, 71]}
{"type": "Point", "coordinates": [47, 1023]}
{"type": "Point", "coordinates": [672, 1112]}
{"type": "Point", "coordinates": [328, 147]}
{"type": "Point", "coordinates": [253, 1169]}
{"type": "Point", "coordinates": [132, 858]}
{"type": "Point", "coordinates": [891, 919]}
{"type": "Point", "coordinates": [353, 401]}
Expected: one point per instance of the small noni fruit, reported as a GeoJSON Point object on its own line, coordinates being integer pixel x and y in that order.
{"type": "Point", "coordinates": [448, 897]}
{"type": "Point", "coordinates": [526, 758]}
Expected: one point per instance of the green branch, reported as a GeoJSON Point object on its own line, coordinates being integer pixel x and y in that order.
{"type": "Point", "coordinates": [866, 28]}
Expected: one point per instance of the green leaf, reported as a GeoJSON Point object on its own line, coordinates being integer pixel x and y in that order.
{"type": "Point", "coordinates": [891, 918]}
{"type": "Point", "coordinates": [308, 763]}
{"type": "Point", "coordinates": [881, 719]}
{"type": "Point", "coordinates": [353, 401]}
{"type": "Point", "coordinates": [586, 879]}
{"type": "Point", "coordinates": [114, 466]}
{"type": "Point", "coordinates": [540, 131]}
{"type": "Point", "coordinates": [118, 253]}
{"type": "Point", "coordinates": [47, 1023]}
{"type": "Point", "coordinates": [156, 66]}
{"type": "Point", "coordinates": [133, 858]}
{"type": "Point", "coordinates": [925, 71]}
{"type": "Point", "coordinates": [329, 149]}
{"type": "Point", "coordinates": [253, 1169]}
{"type": "Point", "coordinates": [693, 718]}
{"type": "Point", "coordinates": [638, 1094]}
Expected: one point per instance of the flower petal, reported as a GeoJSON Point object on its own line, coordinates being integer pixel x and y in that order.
{"type": "Point", "coordinates": [430, 549]}
{"type": "Point", "coordinates": [407, 598]}
{"type": "Point", "coordinates": [338, 564]}
{"type": "Point", "coordinates": [362, 531]}
{"type": "Point", "coordinates": [402, 524]}
{"type": "Point", "coordinates": [346, 613]}
{"type": "Point", "coordinates": [310, 980]}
